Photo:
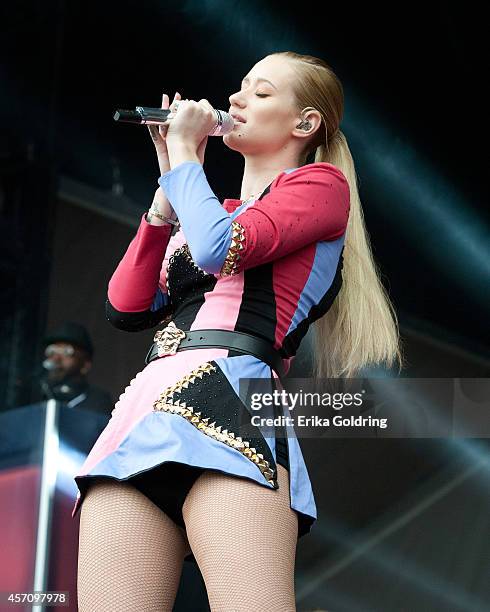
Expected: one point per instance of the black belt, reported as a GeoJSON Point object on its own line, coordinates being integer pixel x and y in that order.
{"type": "Point", "coordinates": [172, 339]}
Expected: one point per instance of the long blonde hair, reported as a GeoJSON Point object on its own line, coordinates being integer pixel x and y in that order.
{"type": "Point", "coordinates": [361, 328]}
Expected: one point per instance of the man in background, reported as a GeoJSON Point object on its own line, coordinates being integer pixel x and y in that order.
{"type": "Point", "coordinates": [68, 355]}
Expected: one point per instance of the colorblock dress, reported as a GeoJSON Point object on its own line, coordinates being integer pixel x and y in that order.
{"type": "Point", "coordinates": [267, 267]}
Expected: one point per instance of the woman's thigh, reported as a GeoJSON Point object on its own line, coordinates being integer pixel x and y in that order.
{"type": "Point", "coordinates": [130, 552]}
{"type": "Point", "coordinates": [244, 538]}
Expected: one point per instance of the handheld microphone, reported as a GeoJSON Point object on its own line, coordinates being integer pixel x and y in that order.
{"type": "Point", "coordinates": [49, 365]}
{"type": "Point", "coordinates": [158, 116]}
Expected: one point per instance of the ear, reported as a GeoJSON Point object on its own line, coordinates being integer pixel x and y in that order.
{"type": "Point", "coordinates": [307, 123]}
{"type": "Point", "coordinates": [85, 369]}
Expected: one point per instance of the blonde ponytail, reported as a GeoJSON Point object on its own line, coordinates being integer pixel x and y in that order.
{"type": "Point", "coordinates": [361, 328]}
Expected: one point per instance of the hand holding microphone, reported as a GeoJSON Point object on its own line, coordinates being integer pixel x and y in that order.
{"type": "Point", "coordinates": [184, 126]}
{"type": "Point", "coordinates": [158, 133]}
{"type": "Point", "coordinates": [197, 121]}
{"type": "Point", "coordinates": [189, 124]}
{"type": "Point", "coordinates": [223, 122]}
{"type": "Point", "coordinates": [193, 121]}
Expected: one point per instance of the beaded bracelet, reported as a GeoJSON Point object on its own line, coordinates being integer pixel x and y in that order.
{"type": "Point", "coordinates": [154, 211]}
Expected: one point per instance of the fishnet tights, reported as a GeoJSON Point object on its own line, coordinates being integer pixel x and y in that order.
{"type": "Point", "coordinates": [243, 537]}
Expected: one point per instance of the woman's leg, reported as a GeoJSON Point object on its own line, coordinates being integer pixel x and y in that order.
{"type": "Point", "coordinates": [244, 539]}
{"type": "Point", "coordinates": [130, 553]}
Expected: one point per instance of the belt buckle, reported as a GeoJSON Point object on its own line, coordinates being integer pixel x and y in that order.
{"type": "Point", "coordinates": [168, 339]}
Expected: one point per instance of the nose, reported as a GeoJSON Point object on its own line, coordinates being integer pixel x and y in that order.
{"type": "Point", "coordinates": [55, 358]}
{"type": "Point", "coordinates": [235, 99]}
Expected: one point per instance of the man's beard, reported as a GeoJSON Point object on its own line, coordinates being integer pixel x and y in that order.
{"type": "Point", "coordinates": [58, 376]}
{"type": "Point", "coordinates": [68, 386]}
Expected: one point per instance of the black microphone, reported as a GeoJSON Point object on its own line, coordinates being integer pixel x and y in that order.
{"type": "Point", "coordinates": [158, 116]}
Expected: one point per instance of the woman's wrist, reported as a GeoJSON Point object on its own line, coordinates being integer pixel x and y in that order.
{"type": "Point", "coordinates": [180, 151]}
{"type": "Point", "coordinates": [161, 212]}
{"type": "Point", "coordinates": [154, 218]}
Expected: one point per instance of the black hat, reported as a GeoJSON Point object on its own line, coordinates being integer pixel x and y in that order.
{"type": "Point", "coordinates": [73, 333]}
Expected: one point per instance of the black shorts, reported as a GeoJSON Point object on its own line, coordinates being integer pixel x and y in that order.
{"type": "Point", "coordinates": [168, 484]}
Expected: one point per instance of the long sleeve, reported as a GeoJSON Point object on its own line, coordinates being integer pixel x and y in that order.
{"type": "Point", "coordinates": [307, 205]}
{"type": "Point", "coordinates": [137, 298]}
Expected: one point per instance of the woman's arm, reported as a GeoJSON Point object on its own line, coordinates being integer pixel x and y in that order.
{"type": "Point", "coordinates": [137, 298]}
{"type": "Point", "coordinates": [305, 206]}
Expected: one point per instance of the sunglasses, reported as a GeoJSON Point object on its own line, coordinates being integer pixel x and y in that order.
{"type": "Point", "coordinates": [65, 351]}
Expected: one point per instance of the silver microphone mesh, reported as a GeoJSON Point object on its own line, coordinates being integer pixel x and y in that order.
{"type": "Point", "coordinates": [224, 123]}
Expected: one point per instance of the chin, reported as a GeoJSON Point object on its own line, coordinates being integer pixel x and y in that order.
{"type": "Point", "coordinates": [56, 379]}
{"type": "Point", "coordinates": [233, 142]}
{"type": "Point", "coordinates": [241, 144]}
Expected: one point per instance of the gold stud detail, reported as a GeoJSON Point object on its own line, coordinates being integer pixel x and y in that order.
{"type": "Point", "coordinates": [233, 257]}
{"type": "Point", "coordinates": [167, 403]}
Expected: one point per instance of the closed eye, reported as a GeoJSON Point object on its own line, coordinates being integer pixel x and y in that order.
{"type": "Point", "coordinates": [262, 95]}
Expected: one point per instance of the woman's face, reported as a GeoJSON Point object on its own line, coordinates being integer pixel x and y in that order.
{"type": "Point", "coordinates": [266, 108]}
